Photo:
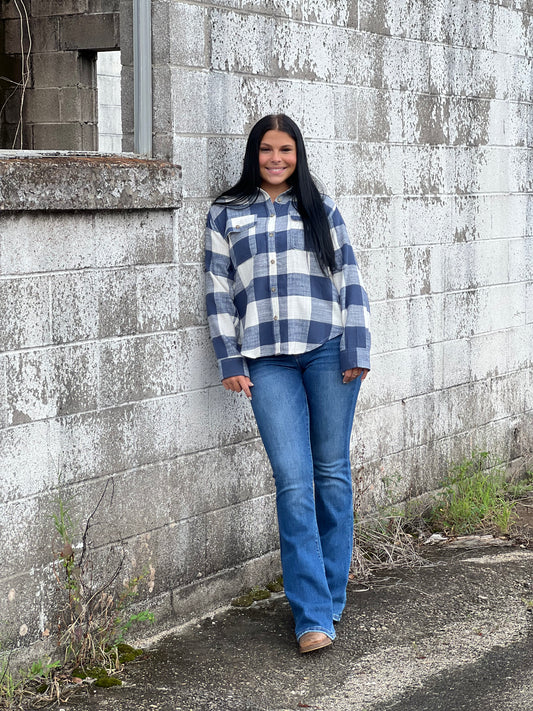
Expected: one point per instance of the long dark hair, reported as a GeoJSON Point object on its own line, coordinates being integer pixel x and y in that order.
{"type": "Point", "coordinates": [306, 194]}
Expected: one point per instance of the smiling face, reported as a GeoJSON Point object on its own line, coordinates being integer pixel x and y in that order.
{"type": "Point", "coordinates": [277, 162]}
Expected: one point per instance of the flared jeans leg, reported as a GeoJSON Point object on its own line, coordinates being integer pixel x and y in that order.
{"type": "Point", "coordinates": [304, 413]}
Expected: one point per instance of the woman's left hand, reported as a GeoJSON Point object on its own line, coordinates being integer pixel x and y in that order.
{"type": "Point", "coordinates": [353, 373]}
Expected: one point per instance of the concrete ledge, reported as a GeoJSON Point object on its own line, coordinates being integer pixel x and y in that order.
{"type": "Point", "coordinates": [54, 180]}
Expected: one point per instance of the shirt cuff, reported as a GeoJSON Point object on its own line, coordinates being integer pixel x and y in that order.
{"type": "Point", "coordinates": [354, 359]}
{"type": "Point", "coordinates": [230, 367]}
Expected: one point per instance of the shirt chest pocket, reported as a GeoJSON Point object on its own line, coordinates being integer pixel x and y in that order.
{"type": "Point", "coordinates": [295, 232]}
{"type": "Point", "coordinates": [242, 238]}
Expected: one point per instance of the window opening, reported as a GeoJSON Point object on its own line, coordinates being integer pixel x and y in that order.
{"type": "Point", "coordinates": [108, 74]}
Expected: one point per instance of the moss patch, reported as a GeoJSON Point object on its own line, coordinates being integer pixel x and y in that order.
{"type": "Point", "coordinates": [104, 682]}
{"type": "Point", "coordinates": [126, 653]}
{"type": "Point", "coordinates": [258, 593]}
{"type": "Point", "coordinates": [276, 585]}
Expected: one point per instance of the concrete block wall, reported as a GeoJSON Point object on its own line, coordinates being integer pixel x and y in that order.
{"type": "Point", "coordinates": [419, 121]}
{"type": "Point", "coordinates": [60, 101]}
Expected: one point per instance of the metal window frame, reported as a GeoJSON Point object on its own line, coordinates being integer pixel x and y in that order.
{"type": "Point", "coordinates": [142, 77]}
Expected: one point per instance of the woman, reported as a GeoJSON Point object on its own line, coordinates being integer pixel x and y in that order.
{"type": "Point", "coordinates": [288, 317]}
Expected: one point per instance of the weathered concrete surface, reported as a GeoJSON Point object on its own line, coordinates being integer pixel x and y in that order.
{"type": "Point", "coordinates": [89, 181]}
{"type": "Point", "coordinates": [454, 636]}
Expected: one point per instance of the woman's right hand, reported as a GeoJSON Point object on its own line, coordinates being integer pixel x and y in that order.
{"type": "Point", "coordinates": [238, 383]}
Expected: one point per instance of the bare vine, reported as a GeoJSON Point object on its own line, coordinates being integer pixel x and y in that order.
{"type": "Point", "coordinates": [24, 24]}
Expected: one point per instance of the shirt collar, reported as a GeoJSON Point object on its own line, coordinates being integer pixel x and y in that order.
{"type": "Point", "coordinates": [284, 197]}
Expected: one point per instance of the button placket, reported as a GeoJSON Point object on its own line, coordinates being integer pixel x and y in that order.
{"type": "Point", "coordinates": [272, 269]}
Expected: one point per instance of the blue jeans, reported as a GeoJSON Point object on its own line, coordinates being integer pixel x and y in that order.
{"type": "Point", "coordinates": [304, 413]}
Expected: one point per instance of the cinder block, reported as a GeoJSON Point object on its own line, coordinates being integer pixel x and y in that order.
{"type": "Point", "coordinates": [242, 473]}
{"type": "Point", "coordinates": [29, 601]}
{"type": "Point", "coordinates": [108, 88]}
{"type": "Point", "coordinates": [24, 313]}
{"type": "Point", "coordinates": [47, 383]}
{"type": "Point", "coordinates": [406, 65]}
{"type": "Point", "coordinates": [462, 313]}
{"type": "Point", "coordinates": [163, 102]}
{"type": "Point", "coordinates": [192, 295]}
{"type": "Point", "coordinates": [504, 306]}
{"type": "Point", "coordinates": [46, 242]}
{"type": "Point", "coordinates": [174, 111]}
{"type": "Point", "coordinates": [417, 172]}
{"type": "Point", "coordinates": [379, 116]}
{"type": "Point", "coordinates": [186, 27]}
{"type": "Point", "coordinates": [240, 533]}
{"type": "Point", "coordinates": [242, 43]}
{"type": "Point", "coordinates": [371, 178]}
{"type": "Point", "coordinates": [489, 354]}
{"type": "Point", "coordinates": [46, 8]}
{"type": "Point", "coordinates": [507, 395]}
{"type": "Point", "coordinates": [89, 136]}
{"type": "Point", "coordinates": [136, 502]}
{"type": "Point", "coordinates": [231, 418]}
{"type": "Point", "coordinates": [192, 428]}
{"type": "Point", "coordinates": [179, 552]}
{"type": "Point", "coordinates": [413, 271]}
{"type": "Point", "coordinates": [197, 366]}
{"type": "Point", "coordinates": [91, 31]}
{"type": "Point", "coordinates": [42, 105]}
{"type": "Point", "coordinates": [330, 12]}
{"type": "Point", "coordinates": [4, 413]}
{"type": "Point", "coordinates": [117, 303]}
{"type": "Point", "coordinates": [529, 303]}
{"type": "Point", "coordinates": [471, 218]}
{"type": "Point", "coordinates": [158, 427]}
{"type": "Point", "coordinates": [157, 298]}
{"type": "Point", "coordinates": [469, 265]}
{"type": "Point", "coordinates": [369, 424]}
{"type": "Point", "coordinates": [519, 347]}
{"type": "Point", "coordinates": [317, 118]}
{"type": "Point", "coordinates": [137, 368]}
{"type": "Point", "coordinates": [55, 69]}
{"type": "Point", "coordinates": [103, 6]}
{"type": "Point", "coordinates": [27, 541]}
{"type": "Point", "coordinates": [109, 120]}
{"type": "Point", "coordinates": [27, 467]}
{"type": "Point", "coordinates": [189, 230]}
{"type": "Point", "coordinates": [44, 35]}
{"type": "Point", "coordinates": [57, 136]}
{"type": "Point", "coordinates": [419, 416]}
{"type": "Point", "coordinates": [222, 163]}
{"type": "Point", "coordinates": [95, 443]}
{"type": "Point", "coordinates": [133, 237]}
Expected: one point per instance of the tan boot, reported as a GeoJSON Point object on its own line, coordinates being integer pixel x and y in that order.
{"type": "Point", "coordinates": [313, 640]}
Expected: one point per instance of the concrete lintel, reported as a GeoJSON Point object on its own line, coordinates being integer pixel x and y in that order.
{"type": "Point", "coordinates": [54, 180]}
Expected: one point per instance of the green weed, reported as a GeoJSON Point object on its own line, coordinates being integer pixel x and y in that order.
{"type": "Point", "coordinates": [14, 685]}
{"type": "Point", "coordinates": [475, 496]}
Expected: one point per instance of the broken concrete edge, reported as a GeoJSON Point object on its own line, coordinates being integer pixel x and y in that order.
{"type": "Point", "coordinates": [65, 181]}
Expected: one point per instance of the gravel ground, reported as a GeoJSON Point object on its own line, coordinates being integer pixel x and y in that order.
{"type": "Point", "coordinates": [454, 635]}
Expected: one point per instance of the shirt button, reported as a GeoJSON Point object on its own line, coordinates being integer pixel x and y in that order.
{"type": "Point", "coordinates": [271, 214]}
{"type": "Point", "coordinates": [272, 261]}
{"type": "Point", "coordinates": [271, 234]}
{"type": "Point", "coordinates": [275, 318]}
{"type": "Point", "coordinates": [273, 289]}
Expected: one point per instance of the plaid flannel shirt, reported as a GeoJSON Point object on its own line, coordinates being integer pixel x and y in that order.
{"type": "Point", "coordinates": [266, 294]}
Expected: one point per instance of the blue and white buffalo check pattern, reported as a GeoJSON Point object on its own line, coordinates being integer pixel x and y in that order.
{"type": "Point", "coordinates": [266, 294]}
